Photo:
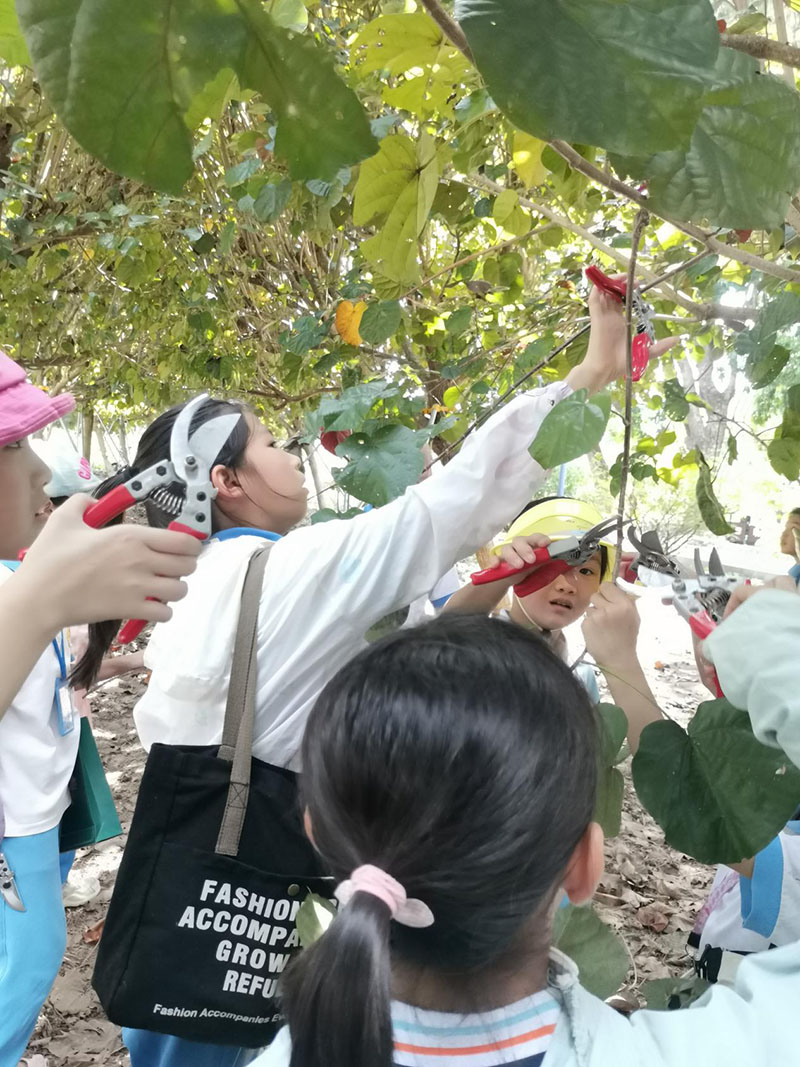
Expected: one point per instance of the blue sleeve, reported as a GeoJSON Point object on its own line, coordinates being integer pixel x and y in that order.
{"type": "Point", "coordinates": [794, 572]}
{"type": "Point", "coordinates": [761, 894]}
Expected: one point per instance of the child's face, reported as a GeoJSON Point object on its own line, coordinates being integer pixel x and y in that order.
{"type": "Point", "coordinates": [567, 598]}
{"type": "Point", "coordinates": [25, 505]}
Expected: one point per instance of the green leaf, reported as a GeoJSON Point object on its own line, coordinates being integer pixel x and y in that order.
{"type": "Point", "coordinates": [733, 449]}
{"type": "Point", "coordinates": [272, 199]}
{"type": "Point", "coordinates": [784, 455]}
{"type": "Point", "coordinates": [122, 76]}
{"type": "Point", "coordinates": [348, 410]}
{"type": "Point", "coordinates": [718, 794]}
{"type": "Point", "coordinates": [601, 956]}
{"type": "Point", "coordinates": [742, 165]}
{"type": "Point", "coordinates": [612, 726]}
{"type": "Point", "coordinates": [763, 368]}
{"type": "Point", "coordinates": [559, 68]}
{"type": "Point", "coordinates": [328, 515]}
{"type": "Point", "coordinates": [382, 463]}
{"type": "Point", "coordinates": [212, 99]}
{"type": "Point", "coordinates": [290, 14]}
{"type": "Point", "coordinates": [573, 427]}
{"type": "Point", "coordinates": [458, 321]}
{"type": "Point", "coordinates": [239, 173]}
{"type": "Point", "coordinates": [313, 918]}
{"type": "Point", "coordinates": [306, 333]}
{"type": "Point", "coordinates": [427, 69]}
{"type": "Point", "coordinates": [12, 44]}
{"type": "Point", "coordinates": [380, 321]}
{"type": "Point", "coordinates": [397, 187]}
{"type": "Point", "coordinates": [509, 214]}
{"type": "Point", "coordinates": [710, 508]}
{"type": "Point", "coordinates": [676, 405]}
{"type": "Point", "coordinates": [752, 23]}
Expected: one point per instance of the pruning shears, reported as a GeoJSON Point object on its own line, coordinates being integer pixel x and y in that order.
{"type": "Point", "coordinates": [642, 316]}
{"type": "Point", "coordinates": [556, 558]}
{"type": "Point", "coordinates": [181, 485]}
{"type": "Point", "coordinates": [8, 886]}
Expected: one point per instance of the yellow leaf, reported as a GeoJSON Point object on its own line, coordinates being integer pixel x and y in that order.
{"type": "Point", "coordinates": [527, 154]}
{"type": "Point", "coordinates": [348, 319]}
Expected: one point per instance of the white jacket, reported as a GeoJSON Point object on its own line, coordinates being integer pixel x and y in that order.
{"type": "Point", "coordinates": [325, 586]}
{"type": "Point", "coordinates": [751, 1024]}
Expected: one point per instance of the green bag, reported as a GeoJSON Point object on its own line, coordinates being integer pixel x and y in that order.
{"type": "Point", "coordinates": [92, 814]}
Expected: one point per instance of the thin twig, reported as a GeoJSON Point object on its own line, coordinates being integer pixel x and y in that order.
{"type": "Point", "coordinates": [449, 26]}
{"type": "Point", "coordinates": [638, 228]}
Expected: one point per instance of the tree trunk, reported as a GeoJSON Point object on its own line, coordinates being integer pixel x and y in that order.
{"type": "Point", "coordinates": [87, 426]}
{"type": "Point", "coordinates": [706, 429]}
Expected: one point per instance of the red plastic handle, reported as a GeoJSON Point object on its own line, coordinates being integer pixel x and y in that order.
{"type": "Point", "coordinates": [640, 355]}
{"type": "Point", "coordinates": [108, 507]}
{"type": "Point", "coordinates": [541, 577]}
{"type": "Point", "coordinates": [504, 570]}
{"type": "Point", "coordinates": [131, 630]}
{"type": "Point", "coordinates": [616, 289]}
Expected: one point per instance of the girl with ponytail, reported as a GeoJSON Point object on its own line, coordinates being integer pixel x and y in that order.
{"type": "Point", "coordinates": [449, 783]}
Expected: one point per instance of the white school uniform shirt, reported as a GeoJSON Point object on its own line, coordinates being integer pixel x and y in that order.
{"type": "Point", "coordinates": [36, 762]}
{"type": "Point", "coordinates": [325, 585]}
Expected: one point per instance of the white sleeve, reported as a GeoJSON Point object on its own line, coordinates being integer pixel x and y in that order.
{"type": "Point", "coordinates": [389, 556]}
{"type": "Point", "coordinates": [755, 653]}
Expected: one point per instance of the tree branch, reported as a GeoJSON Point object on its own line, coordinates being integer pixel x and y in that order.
{"type": "Point", "coordinates": [638, 229]}
{"type": "Point", "coordinates": [577, 162]}
{"type": "Point", "coordinates": [449, 26]}
{"type": "Point", "coordinates": [763, 48]}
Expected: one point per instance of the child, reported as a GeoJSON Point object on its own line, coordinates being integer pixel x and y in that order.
{"type": "Point", "coordinates": [611, 620]}
{"type": "Point", "coordinates": [38, 741]}
{"type": "Point", "coordinates": [790, 542]}
{"type": "Point", "coordinates": [324, 585]}
{"type": "Point", "coordinates": [471, 863]}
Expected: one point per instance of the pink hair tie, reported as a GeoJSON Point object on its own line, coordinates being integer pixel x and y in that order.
{"type": "Point", "coordinates": [373, 880]}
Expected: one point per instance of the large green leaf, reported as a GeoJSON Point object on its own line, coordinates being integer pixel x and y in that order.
{"type": "Point", "coordinates": [710, 507]}
{"type": "Point", "coordinates": [613, 726]}
{"type": "Point", "coordinates": [397, 187]}
{"type": "Point", "coordinates": [380, 321]}
{"type": "Point", "coordinates": [12, 44]}
{"type": "Point", "coordinates": [348, 410]}
{"type": "Point", "coordinates": [122, 76]}
{"type": "Point", "coordinates": [412, 48]}
{"type": "Point", "coordinates": [765, 357]}
{"type": "Point", "coordinates": [676, 406]}
{"type": "Point", "coordinates": [623, 74]}
{"type": "Point", "coordinates": [742, 165]}
{"type": "Point", "coordinates": [602, 958]}
{"type": "Point", "coordinates": [383, 462]}
{"type": "Point", "coordinates": [784, 450]}
{"type": "Point", "coordinates": [718, 794]}
{"type": "Point", "coordinates": [572, 428]}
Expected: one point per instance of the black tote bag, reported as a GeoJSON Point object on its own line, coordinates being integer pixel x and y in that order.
{"type": "Point", "coordinates": [202, 920]}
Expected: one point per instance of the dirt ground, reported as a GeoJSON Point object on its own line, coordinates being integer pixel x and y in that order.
{"type": "Point", "coordinates": [649, 893]}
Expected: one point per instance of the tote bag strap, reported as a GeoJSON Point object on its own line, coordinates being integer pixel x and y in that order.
{"type": "Point", "coordinates": [237, 733]}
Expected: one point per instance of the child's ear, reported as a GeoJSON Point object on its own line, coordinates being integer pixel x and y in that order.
{"type": "Point", "coordinates": [226, 481]}
{"type": "Point", "coordinates": [586, 866]}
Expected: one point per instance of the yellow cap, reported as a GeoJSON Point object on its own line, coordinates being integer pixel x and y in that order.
{"type": "Point", "coordinates": [559, 518]}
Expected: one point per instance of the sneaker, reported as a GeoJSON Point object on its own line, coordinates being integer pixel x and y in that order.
{"type": "Point", "coordinates": [79, 889]}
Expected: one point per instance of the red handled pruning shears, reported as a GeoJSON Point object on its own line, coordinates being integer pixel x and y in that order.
{"type": "Point", "coordinates": [190, 462]}
{"type": "Point", "coordinates": [642, 312]}
{"type": "Point", "coordinates": [555, 559]}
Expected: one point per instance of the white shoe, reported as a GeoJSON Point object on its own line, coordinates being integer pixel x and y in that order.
{"type": "Point", "coordinates": [79, 889]}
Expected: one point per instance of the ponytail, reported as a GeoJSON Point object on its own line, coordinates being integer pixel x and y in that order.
{"type": "Point", "coordinates": [337, 993]}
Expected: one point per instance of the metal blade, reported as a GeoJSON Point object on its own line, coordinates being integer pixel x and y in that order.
{"type": "Point", "coordinates": [715, 564]}
{"type": "Point", "coordinates": [207, 440]}
{"type": "Point", "coordinates": [179, 438]}
{"type": "Point", "coordinates": [699, 569]}
{"type": "Point", "coordinates": [598, 532]}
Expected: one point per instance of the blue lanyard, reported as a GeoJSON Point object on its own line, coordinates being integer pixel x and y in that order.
{"type": "Point", "coordinates": [61, 655]}
{"type": "Point", "coordinates": [244, 531]}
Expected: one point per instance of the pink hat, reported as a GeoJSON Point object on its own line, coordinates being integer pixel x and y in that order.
{"type": "Point", "coordinates": [24, 409]}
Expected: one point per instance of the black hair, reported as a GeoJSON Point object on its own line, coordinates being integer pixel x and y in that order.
{"type": "Point", "coordinates": [604, 560]}
{"type": "Point", "coordinates": [795, 511]}
{"type": "Point", "coordinates": [460, 757]}
{"type": "Point", "coordinates": [154, 447]}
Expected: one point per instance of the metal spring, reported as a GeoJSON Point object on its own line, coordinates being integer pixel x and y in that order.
{"type": "Point", "coordinates": [169, 501]}
{"type": "Point", "coordinates": [714, 601]}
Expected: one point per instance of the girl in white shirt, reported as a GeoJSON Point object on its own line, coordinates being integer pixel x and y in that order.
{"type": "Point", "coordinates": [324, 585]}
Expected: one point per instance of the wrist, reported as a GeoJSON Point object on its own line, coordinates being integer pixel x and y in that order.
{"type": "Point", "coordinates": [588, 375]}
{"type": "Point", "coordinates": [36, 610]}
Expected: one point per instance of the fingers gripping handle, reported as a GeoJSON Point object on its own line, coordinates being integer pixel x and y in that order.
{"type": "Point", "coordinates": [505, 570]}
{"type": "Point", "coordinates": [131, 630]}
{"type": "Point", "coordinates": [108, 507]}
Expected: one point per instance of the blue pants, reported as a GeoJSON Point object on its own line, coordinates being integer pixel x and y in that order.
{"type": "Point", "coordinates": [32, 942]}
{"type": "Point", "coordinates": [148, 1049]}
